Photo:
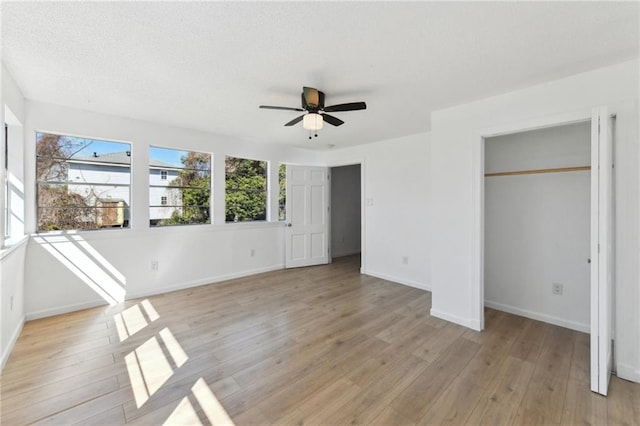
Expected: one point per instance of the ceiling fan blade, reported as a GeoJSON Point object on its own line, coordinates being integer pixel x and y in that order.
{"type": "Point", "coordinates": [295, 120]}
{"type": "Point", "coordinates": [332, 120]}
{"type": "Point", "coordinates": [351, 106]}
{"type": "Point", "coordinates": [311, 97]}
{"type": "Point", "coordinates": [279, 107]}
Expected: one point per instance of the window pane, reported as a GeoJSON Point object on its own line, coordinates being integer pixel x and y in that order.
{"type": "Point", "coordinates": [246, 190]}
{"type": "Point", "coordinates": [82, 183]}
{"type": "Point", "coordinates": [179, 187]}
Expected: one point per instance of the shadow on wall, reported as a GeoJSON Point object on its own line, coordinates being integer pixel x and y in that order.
{"type": "Point", "coordinates": [15, 207]}
{"type": "Point", "coordinates": [79, 257]}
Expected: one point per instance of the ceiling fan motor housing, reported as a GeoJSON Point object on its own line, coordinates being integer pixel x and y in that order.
{"type": "Point", "coordinates": [311, 102]}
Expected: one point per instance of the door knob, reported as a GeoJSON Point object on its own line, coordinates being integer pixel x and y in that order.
{"type": "Point", "coordinates": [589, 260]}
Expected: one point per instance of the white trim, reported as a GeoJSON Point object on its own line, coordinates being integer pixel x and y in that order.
{"type": "Point", "coordinates": [628, 373]}
{"type": "Point", "coordinates": [477, 195]}
{"type": "Point", "coordinates": [161, 290]}
{"type": "Point", "coordinates": [465, 322]}
{"type": "Point", "coordinates": [12, 342]}
{"type": "Point", "coordinates": [64, 309]}
{"type": "Point", "coordinates": [345, 253]}
{"type": "Point", "coordinates": [204, 281]}
{"type": "Point", "coordinates": [573, 325]}
{"type": "Point", "coordinates": [6, 251]}
{"type": "Point", "coordinates": [117, 233]}
{"type": "Point", "coordinates": [363, 204]}
{"type": "Point", "coordinates": [397, 280]}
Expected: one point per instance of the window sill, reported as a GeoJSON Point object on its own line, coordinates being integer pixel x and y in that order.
{"type": "Point", "coordinates": [106, 234]}
{"type": "Point", "coordinates": [6, 251]}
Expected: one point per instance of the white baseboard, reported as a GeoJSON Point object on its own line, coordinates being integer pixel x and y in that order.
{"type": "Point", "coordinates": [159, 290]}
{"type": "Point", "coordinates": [402, 281]}
{"type": "Point", "coordinates": [12, 342]}
{"type": "Point", "coordinates": [203, 281]}
{"type": "Point", "coordinates": [466, 322]}
{"type": "Point", "coordinates": [573, 325]}
{"type": "Point", "coordinates": [43, 313]}
{"type": "Point", "coordinates": [628, 373]}
{"type": "Point", "coordinates": [345, 253]}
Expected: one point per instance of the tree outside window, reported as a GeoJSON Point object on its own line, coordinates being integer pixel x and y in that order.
{"type": "Point", "coordinates": [246, 190]}
{"type": "Point", "coordinates": [181, 180]}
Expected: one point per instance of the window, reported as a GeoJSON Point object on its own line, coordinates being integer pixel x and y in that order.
{"type": "Point", "coordinates": [82, 183]}
{"type": "Point", "coordinates": [282, 195]}
{"type": "Point", "coordinates": [181, 180]}
{"type": "Point", "coordinates": [7, 189]}
{"type": "Point", "coordinates": [245, 190]}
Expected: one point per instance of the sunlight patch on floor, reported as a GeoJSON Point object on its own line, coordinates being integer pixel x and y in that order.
{"type": "Point", "coordinates": [175, 350]}
{"type": "Point", "coordinates": [148, 370]}
{"type": "Point", "coordinates": [212, 408]}
{"type": "Point", "coordinates": [133, 319]}
{"type": "Point", "coordinates": [149, 310]}
{"type": "Point", "coordinates": [184, 414]}
{"type": "Point", "coordinates": [129, 322]}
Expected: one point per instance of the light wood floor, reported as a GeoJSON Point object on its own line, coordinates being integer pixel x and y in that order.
{"type": "Point", "coordinates": [321, 345]}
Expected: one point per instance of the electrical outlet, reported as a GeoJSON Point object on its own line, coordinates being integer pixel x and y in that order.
{"type": "Point", "coordinates": [154, 265]}
{"type": "Point", "coordinates": [405, 260]}
{"type": "Point", "coordinates": [11, 304]}
{"type": "Point", "coordinates": [253, 252]}
{"type": "Point", "coordinates": [557, 288]}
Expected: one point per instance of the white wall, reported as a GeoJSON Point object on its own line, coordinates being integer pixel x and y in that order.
{"type": "Point", "coordinates": [537, 226]}
{"type": "Point", "coordinates": [12, 252]}
{"type": "Point", "coordinates": [456, 191]}
{"type": "Point", "coordinates": [345, 210]}
{"type": "Point", "coordinates": [396, 209]}
{"type": "Point", "coordinates": [117, 263]}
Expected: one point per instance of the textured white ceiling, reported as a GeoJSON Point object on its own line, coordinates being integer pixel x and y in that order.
{"type": "Point", "coordinates": [208, 65]}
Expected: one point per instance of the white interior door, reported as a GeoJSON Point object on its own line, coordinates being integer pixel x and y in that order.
{"type": "Point", "coordinates": [307, 232]}
{"type": "Point", "coordinates": [601, 249]}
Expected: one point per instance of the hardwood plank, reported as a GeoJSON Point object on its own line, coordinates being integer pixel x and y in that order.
{"type": "Point", "coordinates": [543, 401]}
{"type": "Point", "coordinates": [499, 405]}
{"type": "Point", "coordinates": [390, 417]}
{"type": "Point", "coordinates": [623, 402]}
{"type": "Point", "coordinates": [581, 406]}
{"type": "Point", "coordinates": [321, 345]}
{"type": "Point", "coordinates": [419, 396]}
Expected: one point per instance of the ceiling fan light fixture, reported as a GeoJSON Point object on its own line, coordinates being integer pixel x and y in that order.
{"type": "Point", "coordinates": [312, 121]}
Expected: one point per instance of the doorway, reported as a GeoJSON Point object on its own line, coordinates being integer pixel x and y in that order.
{"type": "Point", "coordinates": [600, 258]}
{"type": "Point", "coordinates": [346, 215]}
{"type": "Point", "coordinates": [537, 224]}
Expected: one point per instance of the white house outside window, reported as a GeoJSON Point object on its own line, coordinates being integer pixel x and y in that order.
{"type": "Point", "coordinates": [82, 183]}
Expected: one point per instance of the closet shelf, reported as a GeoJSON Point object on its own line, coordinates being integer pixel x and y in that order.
{"type": "Point", "coordinates": [539, 171]}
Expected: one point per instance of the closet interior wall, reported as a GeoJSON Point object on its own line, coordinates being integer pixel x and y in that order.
{"type": "Point", "coordinates": [537, 224]}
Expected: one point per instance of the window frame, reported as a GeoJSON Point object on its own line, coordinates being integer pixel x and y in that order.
{"type": "Point", "coordinates": [266, 192]}
{"type": "Point", "coordinates": [127, 210]}
{"type": "Point", "coordinates": [157, 223]}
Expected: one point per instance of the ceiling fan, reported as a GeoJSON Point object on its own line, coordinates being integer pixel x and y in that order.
{"type": "Point", "coordinates": [316, 112]}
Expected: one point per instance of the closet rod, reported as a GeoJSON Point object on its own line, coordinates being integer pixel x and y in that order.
{"type": "Point", "coordinates": [538, 171]}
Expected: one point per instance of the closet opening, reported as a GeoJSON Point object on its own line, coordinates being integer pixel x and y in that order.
{"type": "Point", "coordinates": [537, 224]}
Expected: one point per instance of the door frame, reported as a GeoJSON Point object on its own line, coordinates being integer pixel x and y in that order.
{"type": "Point", "coordinates": [478, 198]}
{"type": "Point", "coordinates": [363, 227]}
